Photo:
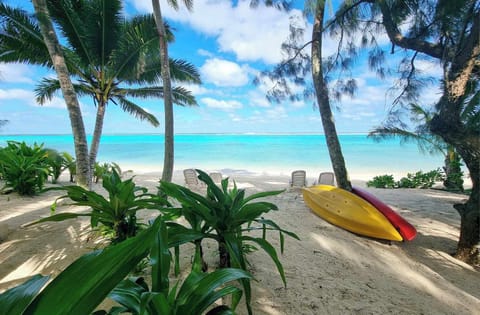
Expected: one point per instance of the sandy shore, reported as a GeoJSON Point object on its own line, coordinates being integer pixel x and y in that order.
{"type": "Point", "coordinates": [330, 271]}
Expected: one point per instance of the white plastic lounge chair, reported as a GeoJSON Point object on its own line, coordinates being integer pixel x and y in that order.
{"type": "Point", "coordinates": [326, 178]}
{"type": "Point", "coordinates": [298, 178]}
{"type": "Point", "coordinates": [191, 179]}
{"type": "Point", "coordinates": [216, 177]}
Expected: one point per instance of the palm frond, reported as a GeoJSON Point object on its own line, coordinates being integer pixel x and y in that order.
{"type": "Point", "coordinates": [47, 88]}
{"type": "Point", "coordinates": [20, 38]}
{"type": "Point", "coordinates": [136, 46]}
{"type": "Point", "coordinates": [136, 110]}
{"type": "Point", "coordinates": [180, 71]}
{"type": "Point", "coordinates": [181, 96]}
{"type": "Point", "coordinates": [183, 71]}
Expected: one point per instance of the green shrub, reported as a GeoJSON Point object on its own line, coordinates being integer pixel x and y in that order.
{"type": "Point", "coordinates": [417, 180]}
{"type": "Point", "coordinates": [24, 168]}
{"type": "Point", "coordinates": [382, 181]}
{"type": "Point", "coordinates": [420, 179]}
{"type": "Point", "coordinates": [57, 163]}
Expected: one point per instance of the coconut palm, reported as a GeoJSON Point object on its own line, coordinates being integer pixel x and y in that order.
{"type": "Point", "coordinates": [166, 78]}
{"type": "Point", "coordinates": [113, 58]}
{"type": "Point", "coordinates": [73, 107]}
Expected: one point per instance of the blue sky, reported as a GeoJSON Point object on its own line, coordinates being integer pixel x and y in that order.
{"type": "Point", "coordinates": [229, 44]}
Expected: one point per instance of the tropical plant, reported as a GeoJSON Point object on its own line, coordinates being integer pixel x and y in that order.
{"type": "Point", "coordinates": [194, 296]}
{"type": "Point", "coordinates": [227, 216]}
{"type": "Point", "coordinates": [56, 162]}
{"type": "Point", "coordinates": [70, 164]}
{"type": "Point", "coordinates": [117, 214]}
{"type": "Point", "coordinates": [166, 78]}
{"type": "Point", "coordinates": [106, 52]}
{"type": "Point", "coordinates": [41, 37]}
{"type": "Point", "coordinates": [84, 284]}
{"type": "Point", "coordinates": [101, 169]}
{"type": "Point", "coordinates": [24, 168]}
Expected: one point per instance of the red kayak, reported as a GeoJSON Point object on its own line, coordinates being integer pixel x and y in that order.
{"type": "Point", "coordinates": [405, 229]}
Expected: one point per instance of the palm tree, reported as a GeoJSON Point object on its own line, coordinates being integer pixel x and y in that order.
{"type": "Point", "coordinates": [166, 78]}
{"type": "Point", "coordinates": [73, 107]}
{"type": "Point", "coordinates": [112, 57]}
{"type": "Point", "coordinates": [426, 141]}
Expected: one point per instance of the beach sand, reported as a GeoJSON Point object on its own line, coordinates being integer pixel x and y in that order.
{"type": "Point", "coordinates": [330, 271]}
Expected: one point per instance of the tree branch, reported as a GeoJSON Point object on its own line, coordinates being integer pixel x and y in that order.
{"type": "Point", "coordinates": [397, 38]}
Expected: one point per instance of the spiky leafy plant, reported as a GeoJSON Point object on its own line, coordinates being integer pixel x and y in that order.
{"type": "Point", "coordinates": [226, 215]}
{"type": "Point", "coordinates": [24, 168]}
{"type": "Point", "coordinates": [117, 213]}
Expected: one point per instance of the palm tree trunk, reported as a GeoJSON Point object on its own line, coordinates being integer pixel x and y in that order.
{"type": "Point", "coordinates": [97, 134]}
{"type": "Point", "coordinates": [73, 107]}
{"type": "Point", "coordinates": [333, 144]}
{"type": "Point", "coordinates": [167, 95]}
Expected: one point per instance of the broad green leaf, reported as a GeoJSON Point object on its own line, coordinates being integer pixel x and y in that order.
{"type": "Point", "coordinates": [97, 272]}
{"type": "Point", "coordinates": [15, 300]}
{"type": "Point", "coordinates": [271, 252]}
{"type": "Point", "coordinates": [59, 217]}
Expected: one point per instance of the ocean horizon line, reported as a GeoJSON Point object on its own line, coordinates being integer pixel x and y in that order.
{"type": "Point", "coordinates": [194, 133]}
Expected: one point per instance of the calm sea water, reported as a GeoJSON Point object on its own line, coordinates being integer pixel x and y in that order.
{"type": "Point", "coordinates": [271, 154]}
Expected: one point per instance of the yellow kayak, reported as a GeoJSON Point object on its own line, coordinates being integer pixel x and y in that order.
{"type": "Point", "coordinates": [350, 212]}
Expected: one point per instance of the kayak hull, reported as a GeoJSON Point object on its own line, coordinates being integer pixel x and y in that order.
{"type": "Point", "coordinates": [350, 212]}
{"type": "Point", "coordinates": [406, 230]}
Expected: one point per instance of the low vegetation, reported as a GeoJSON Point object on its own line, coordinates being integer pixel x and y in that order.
{"type": "Point", "coordinates": [417, 180]}
{"type": "Point", "coordinates": [224, 214]}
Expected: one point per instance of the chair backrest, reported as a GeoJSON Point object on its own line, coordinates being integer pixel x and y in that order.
{"type": "Point", "coordinates": [216, 177]}
{"type": "Point", "coordinates": [190, 177]}
{"type": "Point", "coordinates": [326, 178]}
{"type": "Point", "coordinates": [298, 178]}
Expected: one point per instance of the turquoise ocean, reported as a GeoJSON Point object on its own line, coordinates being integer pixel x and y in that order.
{"type": "Point", "coordinates": [275, 154]}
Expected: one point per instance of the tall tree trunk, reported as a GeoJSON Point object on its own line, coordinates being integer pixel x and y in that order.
{"type": "Point", "coordinates": [97, 134]}
{"type": "Point", "coordinates": [467, 145]}
{"type": "Point", "coordinates": [78, 129]}
{"type": "Point", "coordinates": [333, 144]}
{"type": "Point", "coordinates": [167, 94]}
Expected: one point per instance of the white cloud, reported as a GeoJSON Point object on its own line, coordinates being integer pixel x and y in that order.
{"type": "Point", "coordinates": [251, 34]}
{"type": "Point", "coordinates": [224, 73]}
{"type": "Point", "coordinates": [28, 97]}
{"type": "Point", "coordinates": [220, 104]}
{"type": "Point", "coordinates": [196, 89]}
{"type": "Point", "coordinates": [16, 73]}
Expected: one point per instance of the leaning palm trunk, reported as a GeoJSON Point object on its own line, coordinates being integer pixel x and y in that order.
{"type": "Point", "coordinates": [333, 144]}
{"type": "Point", "coordinates": [97, 134]}
{"type": "Point", "coordinates": [73, 107]}
{"type": "Point", "coordinates": [167, 95]}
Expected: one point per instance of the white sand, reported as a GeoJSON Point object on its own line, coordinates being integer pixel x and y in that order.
{"type": "Point", "coordinates": [330, 271]}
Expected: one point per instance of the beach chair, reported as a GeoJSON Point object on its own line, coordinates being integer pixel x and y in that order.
{"type": "Point", "coordinates": [298, 178]}
{"type": "Point", "coordinates": [326, 178]}
{"type": "Point", "coordinates": [216, 177]}
{"type": "Point", "coordinates": [191, 178]}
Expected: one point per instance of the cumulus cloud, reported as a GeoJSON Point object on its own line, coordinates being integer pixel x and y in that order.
{"type": "Point", "coordinates": [251, 34]}
{"type": "Point", "coordinates": [221, 104]}
{"type": "Point", "coordinates": [224, 73]}
{"type": "Point", "coordinates": [16, 73]}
